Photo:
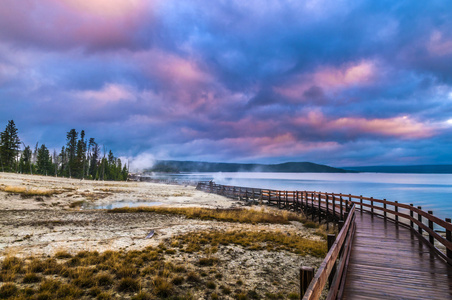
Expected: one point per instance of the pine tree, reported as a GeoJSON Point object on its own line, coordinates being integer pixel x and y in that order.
{"type": "Point", "coordinates": [9, 146]}
{"type": "Point", "coordinates": [25, 164]}
{"type": "Point", "coordinates": [71, 148]}
{"type": "Point", "coordinates": [44, 161]}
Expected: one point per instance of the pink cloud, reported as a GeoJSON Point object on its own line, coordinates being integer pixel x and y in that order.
{"type": "Point", "coordinates": [401, 127]}
{"type": "Point", "coordinates": [256, 147]}
{"type": "Point", "coordinates": [70, 23]}
{"type": "Point", "coordinates": [439, 45]}
{"type": "Point", "coordinates": [109, 93]}
{"type": "Point", "coordinates": [353, 74]}
{"type": "Point", "coordinates": [331, 79]}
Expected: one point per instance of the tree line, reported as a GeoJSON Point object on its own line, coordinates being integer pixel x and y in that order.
{"type": "Point", "coordinates": [79, 158]}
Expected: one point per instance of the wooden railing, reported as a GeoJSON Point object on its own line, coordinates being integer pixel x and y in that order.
{"type": "Point", "coordinates": [415, 218]}
{"type": "Point", "coordinates": [334, 266]}
{"type": "Point", "coordinates": [319, 206]}
{"type": "Point", "coordinates": [341, 209]}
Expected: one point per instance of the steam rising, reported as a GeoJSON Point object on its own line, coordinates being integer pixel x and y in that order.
{"type": "Point", "coordinates": [141, 162]}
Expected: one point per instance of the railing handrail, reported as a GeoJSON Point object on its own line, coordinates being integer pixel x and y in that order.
{"type": "Point", "coordinates": [318, 283]}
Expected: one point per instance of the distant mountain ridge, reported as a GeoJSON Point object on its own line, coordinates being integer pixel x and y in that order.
{"type": "Point", "coordinates": [172, 166]}
{"type": "Point", "coordinates": [416, 169]}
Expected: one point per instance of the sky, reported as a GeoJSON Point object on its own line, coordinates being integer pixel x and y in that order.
{"type": "Point", "coordinates": [343, 83]}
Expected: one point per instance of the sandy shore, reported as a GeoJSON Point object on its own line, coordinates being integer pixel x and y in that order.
{"type": "Point", "coordinates": [43, 225]}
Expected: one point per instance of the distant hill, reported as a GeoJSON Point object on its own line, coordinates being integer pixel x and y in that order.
{"type": "Point", "coordinates": [417, 169]}
{"type": "Point", "coordinates": [173, 166]}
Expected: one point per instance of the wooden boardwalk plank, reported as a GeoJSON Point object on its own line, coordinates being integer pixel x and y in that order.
{"type": "Point", "coordinates": [389, 262]}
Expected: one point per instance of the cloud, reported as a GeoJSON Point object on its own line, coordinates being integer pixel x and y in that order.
{"type": "Point", "coordinates": [273, 81]}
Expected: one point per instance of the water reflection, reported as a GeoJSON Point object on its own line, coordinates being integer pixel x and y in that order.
{"type": "Point", "coordinates": [121, 204]}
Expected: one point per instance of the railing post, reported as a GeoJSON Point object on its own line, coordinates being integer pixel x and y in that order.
{"type": "Point", "coordinates": [306, 275]}
{"type": "Point", "coordinates": [384, 212]}
{"type": "Point", "coordinates": [312, 205]}
{"type": "Point", "coordinates": [331, 238]}
{"type": "Point", "coordinates": [396, 209]}
{"type": "Point", "coordinates": [361, 202]}
{"type": "Point", "coordinates": [295, 200]}
{"type": "Point", "coordinates": [340, 225]}
{"type": "Point", "coordinates": [449, 238]}
{"type": "Point", "coordinates": [279, 199]}
{"type": "Point", "coordinates": [327, 211]}
{"type": "Point", "coordinates": [350, 200]}
{"type": "Point", "coordinates": [372, 206]}
{"type": "Point", "coordinates": [412, 216]}
{"type": "Point", "coordinates": [342, 212]}
{"type": "Point", "coordinates": [419, 218]}
{"type": "Point", "coordinates": [334, 207]}
{"type": "Point", "coordinates": [430, 225]}
{"type": "Point", "coordinates": [286, 199]}
{"type": "Point", "coordinates": [320, 211]}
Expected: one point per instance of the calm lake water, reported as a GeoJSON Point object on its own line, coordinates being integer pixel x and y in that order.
{"type": "Point", "coordinates": [431, 191]}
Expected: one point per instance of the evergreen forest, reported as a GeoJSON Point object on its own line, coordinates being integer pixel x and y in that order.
{"type": "Point", "coordinates": [80, 157]}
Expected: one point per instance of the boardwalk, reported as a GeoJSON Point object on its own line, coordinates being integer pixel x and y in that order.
{"type": "Point", "coordinates": [370, 258]}
{"type": "Point", "coordinates": [390, 262]}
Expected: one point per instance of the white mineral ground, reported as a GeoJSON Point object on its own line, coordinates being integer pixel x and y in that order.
{"type": "Point", "coordinates": [41, 226]}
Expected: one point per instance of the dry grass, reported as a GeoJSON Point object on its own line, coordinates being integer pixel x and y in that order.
{"type": "Point", "coordinates": [252, 240]}
{"type": "Point", "coordinates": [27, 192]}
{"type": "Point", "coordinates": [240, 215]}
{"type": "Point", "coordinates": [155, 272]}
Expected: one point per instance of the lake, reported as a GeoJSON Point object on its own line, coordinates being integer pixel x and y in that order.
{"type": "Point", "coordinates": [431, 191]}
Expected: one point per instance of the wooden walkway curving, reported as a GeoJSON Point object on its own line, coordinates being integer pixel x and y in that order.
{"type": "Point", "coordinates": [390, 262]}
{"type": "Point", "coordinates": [384, 250]}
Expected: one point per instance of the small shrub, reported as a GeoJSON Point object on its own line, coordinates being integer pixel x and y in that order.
{"type": "Point", "coordinates": [104, 296]}
{"type": "Point", "coordinates": [36, 266]}
{"type": "Point", "coordinates": [239, 282]}
{"type": "Point", "coordinates": [62, 255]}
{"type": "Point", "coordinates": [293, 296]}
{"type": "Point", "coordinates": [104, 280]}
{"type": "Point", "coordinates": [128, 285]}
{"type": "Point", "coordinates": [68, 291]}
{"type": "Point", "coordinates": [162, 287]}
{"type": "Point", "coordinates": [214, 296]}
{"type": "Point", "coordinates": [225, 290]}
{"type": "Point", "coordinates": [44, 296]}
{"type": "Point", "coordinates": [31, 278]}
{"type": "Point", "coordinates": [74, 261]}
{"type": "Point", "coordinates": [12, 264]}
{"type": "Point", "coordinates": [193, 277]}
{"type": "Point", "coordinates": [241, 296]}
{"type": "Point", "coordinates": [126, 271]}
{"type": "Point", "coordinates": [208, 261]}
{"type": "Point", "coordinates": [211, 285]}
{"type": "Point", "coordinates": [49, 285]}
{"type": "Point", "coordinates": [94, 291]}
{"type": "Point", "coordinates": [178, 280]}
{"type": "Point", "coordinates": [8, 290]}
{"type": "Point", "coordinates": [170, 251]}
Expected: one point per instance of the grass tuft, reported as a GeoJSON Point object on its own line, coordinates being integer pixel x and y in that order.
{"type": "Point", "coordinates": [128, 285]}
{"type": "Point", "coordinates": [8, 290]}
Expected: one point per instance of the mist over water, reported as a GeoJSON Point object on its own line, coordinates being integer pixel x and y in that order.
{"type": "Point", "coordinates": [431, 191]}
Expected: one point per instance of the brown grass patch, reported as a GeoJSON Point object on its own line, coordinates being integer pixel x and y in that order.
{"type": "Point", "coordinates": [240, 215]}
{"type": "Point", "coordinates": [27, 192]}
